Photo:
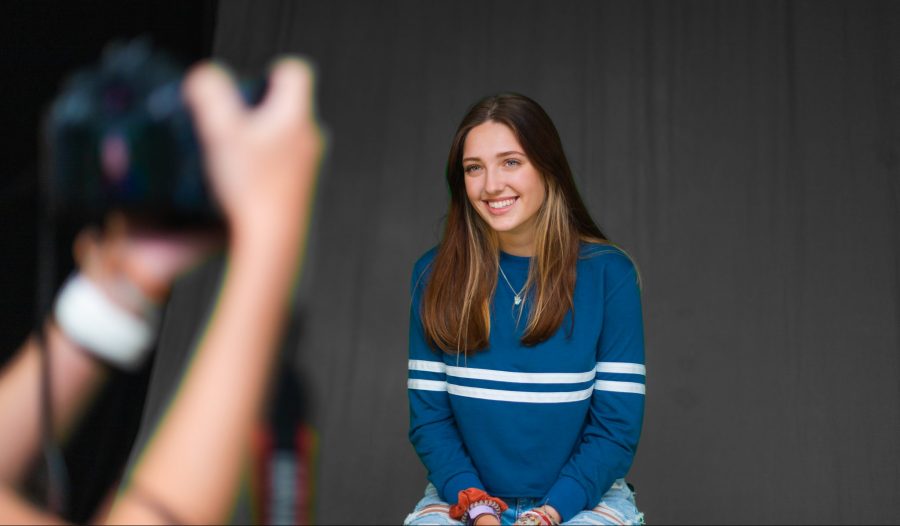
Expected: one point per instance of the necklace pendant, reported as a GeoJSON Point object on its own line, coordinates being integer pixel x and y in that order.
{"type": "Point", "coordinates": [517, 299]}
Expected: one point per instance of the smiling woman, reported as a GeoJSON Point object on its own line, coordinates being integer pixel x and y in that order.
{"type": "Point", "coordinates": [503, 186]}
{"type": "Point", "coordinates": [535, 422]}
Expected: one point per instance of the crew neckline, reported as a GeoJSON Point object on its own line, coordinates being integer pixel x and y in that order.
{"type": "Point", "coordinates": [515, 261]}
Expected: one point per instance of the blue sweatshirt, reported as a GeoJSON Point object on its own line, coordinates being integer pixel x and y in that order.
{"type": "Point", "coordinates": [559, 420]}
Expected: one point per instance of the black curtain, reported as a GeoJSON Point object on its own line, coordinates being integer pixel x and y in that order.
{"type": "Point", "coordinates": [42, 43]}
{"type": "Point", "coordinates": [745, 153]}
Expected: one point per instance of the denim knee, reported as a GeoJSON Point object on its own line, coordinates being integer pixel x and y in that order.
{"type": "Point", "coordinates": [431, 510]}
{"type": "Point", "coordinates": [617, 506]}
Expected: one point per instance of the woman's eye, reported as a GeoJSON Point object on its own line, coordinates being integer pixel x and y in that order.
{"type": "Point", "coordinates": [512, 162]}
{"type": "Point", "coordinates": [471, 168]}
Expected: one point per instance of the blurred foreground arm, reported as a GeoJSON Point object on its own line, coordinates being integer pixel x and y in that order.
{"type": "Point", "coordinates": [262, 164]}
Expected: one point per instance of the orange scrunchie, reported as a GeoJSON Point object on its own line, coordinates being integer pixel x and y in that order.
{"type": "Point", "coordinates": [469, 497]}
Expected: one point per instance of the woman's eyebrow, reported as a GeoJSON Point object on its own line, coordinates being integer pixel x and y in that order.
{"type": "Point", "coordinates": [501, 154]}
{"type": "Point", "coordinates": [511, 152]}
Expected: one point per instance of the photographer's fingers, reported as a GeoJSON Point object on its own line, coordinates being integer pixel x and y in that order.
{"type": "Point", "coordinates": [216, 104]}
{"type": "Point", "coordinates": [260, 161]}
{"type": "Point", "coordinates": [290, 93]}
{"type": "Point", "coordinates": [152, 260]}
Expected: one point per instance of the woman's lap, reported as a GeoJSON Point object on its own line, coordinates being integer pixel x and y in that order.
{"type": "Point", "coordinates": [616, 507]}
{"type": "Point", "coordinates": [430, 510]}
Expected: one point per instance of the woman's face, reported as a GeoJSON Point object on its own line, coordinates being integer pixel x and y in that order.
{"type": "Point", "coordinates": [502, 185]}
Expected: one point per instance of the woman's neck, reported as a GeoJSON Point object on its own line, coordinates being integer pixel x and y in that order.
{"type": "Point", "coordinates": [517, 245]}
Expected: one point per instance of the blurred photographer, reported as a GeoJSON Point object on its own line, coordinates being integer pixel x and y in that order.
{"type": "Point", "coordinates": [261, 164]}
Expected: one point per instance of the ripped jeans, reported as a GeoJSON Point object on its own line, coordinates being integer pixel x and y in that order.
{"type": "Point", "coordinates": [616, 507]}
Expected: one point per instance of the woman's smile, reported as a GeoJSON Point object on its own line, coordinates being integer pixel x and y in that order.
{"type": "Point", "coordinates": [500, 206]}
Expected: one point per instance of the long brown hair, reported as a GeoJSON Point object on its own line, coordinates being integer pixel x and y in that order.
{"type": "Point", "coordinates": [456, 305]}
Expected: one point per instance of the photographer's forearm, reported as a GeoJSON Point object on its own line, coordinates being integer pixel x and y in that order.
{"type": "Point", "coordinates": [262, 163]}
{"type": "Point", "coordinates": [76, 377]}
{"type": "Point", "coordinates": [193, 464]}
{"type": "Point", "coordinates": [16, 510]}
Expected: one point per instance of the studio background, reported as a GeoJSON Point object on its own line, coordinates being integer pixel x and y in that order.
{"type": "Point", "coordinates": [747, 154]}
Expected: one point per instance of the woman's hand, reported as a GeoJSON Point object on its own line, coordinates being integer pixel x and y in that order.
{"type": "Point", "coordinates": [551, 512]}
{"type": "Point", "coordinates": [487, 520]}
{"type": "Point", "coordinates": [542, 515]}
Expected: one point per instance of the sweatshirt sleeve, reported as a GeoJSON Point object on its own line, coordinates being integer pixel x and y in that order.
{"type": "Point", "coordinates": [611, 434]}
{"type": "Point", "coordinates": [432, 427]}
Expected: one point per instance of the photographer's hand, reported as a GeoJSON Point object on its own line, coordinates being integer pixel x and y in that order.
{"type": "Point", "coordinates": [262, 163]}
{"type": "Point", "coordinates": [127, 254]}
{"type": "Point", "coordinates": [130, 266]}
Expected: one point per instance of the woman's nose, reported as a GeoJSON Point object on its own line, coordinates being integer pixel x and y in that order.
{"type": "Point", "coordinates": [494, 182]}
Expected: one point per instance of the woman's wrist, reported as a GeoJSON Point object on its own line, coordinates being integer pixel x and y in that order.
{"type": "Point", "coordinates": [485, 518]}
{"type": "Point", "coordinates": [482, 514]}
{"type": "Point", "coordinates": [475, 506]}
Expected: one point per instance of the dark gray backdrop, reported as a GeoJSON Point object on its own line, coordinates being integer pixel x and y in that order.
{"type": "Point", "coordinates": [746, 153]}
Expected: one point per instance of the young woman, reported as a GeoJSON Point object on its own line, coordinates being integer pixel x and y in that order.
{"type": "Point", "coordinates": [526, 353]}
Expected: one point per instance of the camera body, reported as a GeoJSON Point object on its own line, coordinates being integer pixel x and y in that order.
{"type": "Point", "coordinates": [119, 137]}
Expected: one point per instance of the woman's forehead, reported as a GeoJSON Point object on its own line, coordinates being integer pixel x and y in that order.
{"type": "Point", "coordinates": [490, 139]}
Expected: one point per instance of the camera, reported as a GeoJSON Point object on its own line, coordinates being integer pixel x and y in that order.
{"type": "Point", "coordinates": [119, 137]}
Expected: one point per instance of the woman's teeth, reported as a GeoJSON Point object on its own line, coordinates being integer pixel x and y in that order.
{"type": "Point", "coordinates": [501, 204]}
